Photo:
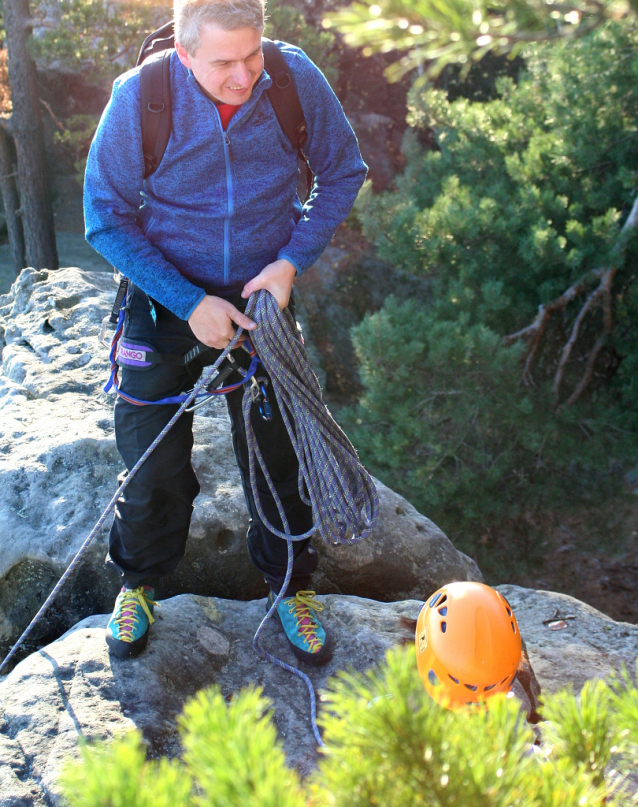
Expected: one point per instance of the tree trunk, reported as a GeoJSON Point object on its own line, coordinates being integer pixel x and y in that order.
{"type": "Point", "coordinates": [11, 202]}
{"type": "Point", "coordinates": [26, 127]}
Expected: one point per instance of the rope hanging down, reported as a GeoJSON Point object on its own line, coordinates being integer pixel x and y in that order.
{"type": "Point", "coordinates": [342, 494]}
{"type": "Point", "coordinates": [344, 499]}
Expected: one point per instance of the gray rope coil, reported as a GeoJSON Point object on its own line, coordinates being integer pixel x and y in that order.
{"type": "Point", "coordinates": [342, 494]}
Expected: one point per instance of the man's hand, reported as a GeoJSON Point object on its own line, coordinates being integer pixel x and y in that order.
{"type": "Point", "coordinates": [212, 322]}
{"type": "Point", "coordinates": [277, 278]}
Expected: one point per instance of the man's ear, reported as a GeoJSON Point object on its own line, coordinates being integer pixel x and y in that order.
{"type": "Point", "coordinates": [183, 55]}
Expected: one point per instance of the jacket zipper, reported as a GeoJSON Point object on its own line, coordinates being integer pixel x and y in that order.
{"type": "Point", "coordinates": [228, 158]}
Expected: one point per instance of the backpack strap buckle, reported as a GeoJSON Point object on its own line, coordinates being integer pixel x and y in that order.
{"type": "Point", "coordinates": [282, 79]}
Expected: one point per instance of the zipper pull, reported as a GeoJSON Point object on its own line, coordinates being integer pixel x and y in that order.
{"type": "Point", "coordinates": [230, 148]}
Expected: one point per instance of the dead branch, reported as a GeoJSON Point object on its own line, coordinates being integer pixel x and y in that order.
{"type": "Point", "coordinates": [57, 122]}
{"type": "Point", "coordinates": [545, 311]}
{"type": "Point", "coordinates": [560, 372]}
{"type": "Point", "coordinates": [608, 325]}
{"type": "Point", "coordinates": [534, 332]}
{"type": "Point", "coordinates": [121, 53]}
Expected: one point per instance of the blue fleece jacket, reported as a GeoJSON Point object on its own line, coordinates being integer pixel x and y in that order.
{"type": "Point", "coordinates": [221, 205]}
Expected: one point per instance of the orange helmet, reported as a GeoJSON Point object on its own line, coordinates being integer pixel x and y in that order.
{"type": "Point", "coordinates": [468, 645]}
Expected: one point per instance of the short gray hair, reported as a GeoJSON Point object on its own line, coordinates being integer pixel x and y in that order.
{"type": "Point", "coordinates": [190, 15]}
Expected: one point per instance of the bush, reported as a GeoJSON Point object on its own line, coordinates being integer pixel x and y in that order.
{"type": "Point", "coordinates": [386, 744]}
{"type": "Point", "coordinates": [526, 195]}
{"type": "Point", "coordinates": [288, 24]}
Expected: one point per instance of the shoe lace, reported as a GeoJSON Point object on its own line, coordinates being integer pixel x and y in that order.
{"type": "Point", "coordinates": [303, 604]}
{"type": "Point", "coordinates": [127, 618]}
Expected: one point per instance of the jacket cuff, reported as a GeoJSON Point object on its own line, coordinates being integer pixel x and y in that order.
{"type": "Point", "coordinates": [201, 297]}
{"type": "Point", "coordinates": [283, 255]}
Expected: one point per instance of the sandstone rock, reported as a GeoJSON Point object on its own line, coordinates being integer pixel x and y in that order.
{"type": "Point", "coordinates": [58, 468]}
{"type": "Point", "coordinates": [72, 688]}
{"type": "Point", "coordinates": [380, 143]}
{"type": "Point", "coordinates": [591, 646]}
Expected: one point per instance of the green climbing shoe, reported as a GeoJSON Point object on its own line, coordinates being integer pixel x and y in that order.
{"type": "Point", "coordinates": [127, 631]}
{"type": "Point", "coordinates": [305, 635]}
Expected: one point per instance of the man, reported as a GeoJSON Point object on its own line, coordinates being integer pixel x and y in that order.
{"type": "Point", "coordinates": [218, 220]}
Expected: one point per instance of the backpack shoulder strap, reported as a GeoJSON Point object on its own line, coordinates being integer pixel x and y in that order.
{"type": "Point", "coordinates": [157, 118]}
{"type": "Point", "coordinates": [283, 96]}
{"type": "Point", "coordinates": [286, 104]}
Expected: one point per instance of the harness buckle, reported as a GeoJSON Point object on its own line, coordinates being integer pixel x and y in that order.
{"type": "Point", "coordinates": [105, 324]}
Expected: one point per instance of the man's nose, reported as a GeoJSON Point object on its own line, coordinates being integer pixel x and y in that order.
{"type": "Point", "coordinates": [241, 74]}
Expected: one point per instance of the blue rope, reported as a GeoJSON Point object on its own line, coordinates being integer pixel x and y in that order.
{"type": "Point", "coordinates": [342, 494]}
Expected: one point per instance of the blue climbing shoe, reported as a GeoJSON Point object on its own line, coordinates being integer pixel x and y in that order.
{"type": "Point", "coordinates": [305, 635]}
{"type": "Point", "coordinates": [127, 631]}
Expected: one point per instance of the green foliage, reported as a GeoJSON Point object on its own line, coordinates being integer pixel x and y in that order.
{"type": "Point", "coordinates": [77, 136]}
{"type": "Point", "coordinates": [461, 32]}
{"type": "Point", "coordinates": [386, 744]}
{"type": "Point", "coordinates": [233, 753]}
{"type": "Point", "coordinates": [527, 193]}
{"type": "Point", "coordinates": [117, 775]}
{"type": "Point", "coordinates": [624, 702]}
{"type": "Point", "coordinates": [582, 730]}
{"type": "Point", "coordinates": [232, 757]}
{"type": "Point", "coordinates": [289, 25]}
{"type": "Point", "coordinates": [94, 37]}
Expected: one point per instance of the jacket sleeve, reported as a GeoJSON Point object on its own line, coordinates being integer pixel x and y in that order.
{"type": "Point", "coordinates": [335, 159]}
{"type": "Point", "coordinates": [112, 198]}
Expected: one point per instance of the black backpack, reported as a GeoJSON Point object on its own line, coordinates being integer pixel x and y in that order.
{"type": "Point", "coordinates": [156, 98]}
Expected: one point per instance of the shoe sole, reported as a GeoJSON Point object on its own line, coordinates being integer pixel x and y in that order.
{"type": "Point", "coordinates": [311, 659]}
{"type": "Point", "coordinates": [127, 649]}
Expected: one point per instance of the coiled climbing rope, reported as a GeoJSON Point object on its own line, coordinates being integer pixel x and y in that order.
{"type": "Point", "coordinates": [342, 494]}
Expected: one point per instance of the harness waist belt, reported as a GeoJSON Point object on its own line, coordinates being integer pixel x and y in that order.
{"type": "Point", "coordinates": [141, 356]}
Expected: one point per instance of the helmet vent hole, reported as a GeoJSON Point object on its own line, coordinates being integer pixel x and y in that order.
{"type": "Point", "coordinates": [443, 599]}
{"type": "Point", "coordinates": [487, 688]}
{"type": "Point", "coordinates": [470, 686]}
{"type": "Point", "coordinates": [443, 627]}
{"type": "Point", "coordinates": [456, 680]}
{"type": "Point", "coordinates": [434, 600]}
{"type": "Point", "coordinates": [509, 612]}
{"type": "Point", "coordinates": [443, 611]}
{"type": "Point", "coordinates": [504, 680]}
{"type": "Point", "coordinates": [513, 627]}
{"type": "Point", "coordinates": [433, 679]}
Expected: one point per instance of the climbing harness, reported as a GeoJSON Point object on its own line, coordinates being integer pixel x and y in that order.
{"type": "Point", "coordinates": [332, 481]}
{"type": "Point", "coordinates": [123, 352]}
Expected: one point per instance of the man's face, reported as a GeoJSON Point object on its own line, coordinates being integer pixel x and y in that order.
{"type": "Point", "coordinates": [227, 63]}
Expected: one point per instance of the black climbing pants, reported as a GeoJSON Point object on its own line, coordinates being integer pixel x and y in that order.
{"type": "Point", "coordinates": [152, 517]}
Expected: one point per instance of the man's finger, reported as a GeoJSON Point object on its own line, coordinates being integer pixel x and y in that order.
{"type": "Point", "coordinates": [250, 287]}
{"type": "Point", "coordinates": [241, 319]}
